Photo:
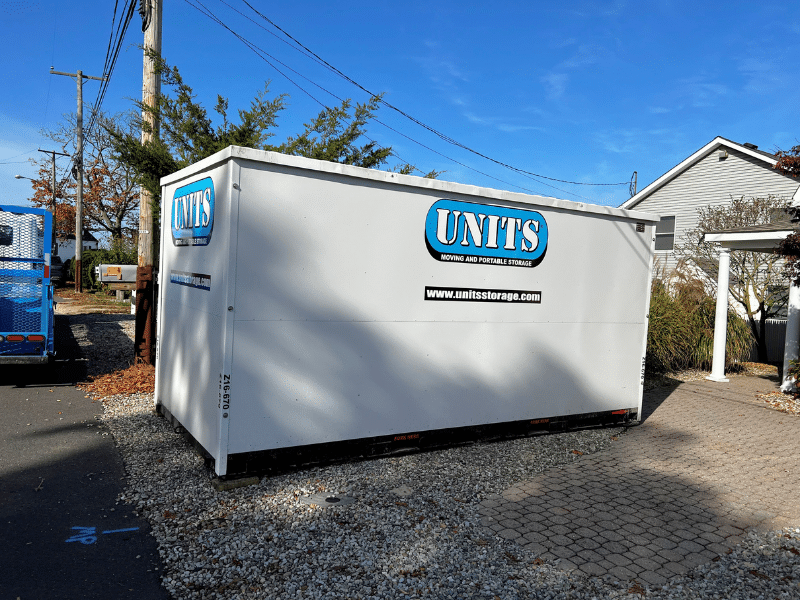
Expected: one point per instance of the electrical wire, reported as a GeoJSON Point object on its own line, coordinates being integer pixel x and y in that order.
{"type": "Point", "coordinates": [111, 59]}
{"type": "Point", "coordinates": [111, 37]}
{"type": "Point", "coordinates": [436, 132]}
{"type": "Point", "coordinates": [276, 36]}
{"type": "Point", "coordinates": [266, 57]}
{"type": "Point", "coordinates": [112, 54]}
{"type": "Point", "coordinates": [321, 62]}
{"type": "Point", "coordinates": [263, 55]}
{"type": "Point", "coordinates": [17, 156]}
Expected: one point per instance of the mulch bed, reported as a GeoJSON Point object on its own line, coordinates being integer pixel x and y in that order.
{"type": "Point", "coordinates": [136, 379]}
{"type": "Point", "coordinates": [787, 403]}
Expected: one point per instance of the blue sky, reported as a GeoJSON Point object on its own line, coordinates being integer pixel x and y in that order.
{"type": "Point", "coordinates": [579, 91]}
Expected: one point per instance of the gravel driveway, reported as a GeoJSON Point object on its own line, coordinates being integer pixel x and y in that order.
{"type": "Point", "coordinates": [408, 527]}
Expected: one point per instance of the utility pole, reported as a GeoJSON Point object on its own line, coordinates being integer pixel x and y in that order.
{"type": "Point", "coordinates": [52, 208]}
{"type": "Point", "coordinates": [52, 154]}
{"type": "Point", "coordinates": [78, 172]}
{"type": "Point", "coordinates": [144, 336]}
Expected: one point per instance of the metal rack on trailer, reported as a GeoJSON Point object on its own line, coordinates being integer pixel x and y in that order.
{"type": "Point", "coordinates": [26, 292]}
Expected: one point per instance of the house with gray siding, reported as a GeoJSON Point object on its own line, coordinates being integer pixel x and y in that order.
{"type": "Point", "coordinates": [717, 172]}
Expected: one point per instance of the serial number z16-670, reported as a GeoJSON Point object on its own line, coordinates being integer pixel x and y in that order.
{"type": "Point", "coordinates": [224, 391]}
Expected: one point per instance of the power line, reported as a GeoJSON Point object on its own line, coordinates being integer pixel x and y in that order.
{"type": "Point", "coordinates": [309, 54]}
{"type": "Point", "coordinates": [263, 55]}
{"type": "Point", "coordinates": [112, 53]}
{"type": "Point", "coordinates": [276, 36]}
{"type": "Point", "coordinates": [436, 132]}
{"type": "Point", "coordinates": [111, 37]}
{"type": "Point", "coordinates": [115, 42]}
{"type": "Point", "coordinates": [18, 155]}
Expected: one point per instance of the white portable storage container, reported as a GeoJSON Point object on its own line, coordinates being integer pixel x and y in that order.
{"type": "Point", "coordinates": [311, 309]}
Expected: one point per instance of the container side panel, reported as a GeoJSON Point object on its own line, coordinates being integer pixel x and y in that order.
{"type": "Point", "coordinates": [307, 382]}
{"type": "Point", "coordinates": [193, 284]}
{"type": "Point", "coordinates": [189, 378]}
{"type": "Point", "coordinates": [316, 242]}
{"type": "Point", "coordinates": [340, 334]}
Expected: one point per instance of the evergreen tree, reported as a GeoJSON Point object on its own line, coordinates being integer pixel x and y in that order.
{"type": "Point", "coordinates": [187, 133]}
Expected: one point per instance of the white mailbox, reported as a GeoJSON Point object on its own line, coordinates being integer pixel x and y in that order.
{"type": "Point", "coordinates": [115, 273]}
{"type": "Point", "coordinates": [309, 308]}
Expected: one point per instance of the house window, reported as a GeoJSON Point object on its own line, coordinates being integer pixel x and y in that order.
{"type": "Point", "coordinates": [665, 233]}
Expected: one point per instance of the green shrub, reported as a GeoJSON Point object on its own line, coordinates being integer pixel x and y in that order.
{"type": "Point", "coordinates": [680, 334]}
{"type": "Point", "coordinates": [122, 252]}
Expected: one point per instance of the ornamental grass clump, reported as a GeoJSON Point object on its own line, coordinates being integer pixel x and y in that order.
{"type": "Point", "coordinates": [680, 333]}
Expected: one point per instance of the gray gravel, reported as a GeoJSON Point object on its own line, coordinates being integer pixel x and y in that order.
{"type": "Point", "coordinates": [765, 565]}
{"type": "Point", "coordinates": [422, 540]}
{"type": "Point", "coordinates": [413, 530]}
{"type": "Point", "coordinates": [263, 541]}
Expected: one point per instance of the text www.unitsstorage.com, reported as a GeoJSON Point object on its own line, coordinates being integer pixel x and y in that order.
{"type": "Point", "coordinates": [482, 295]}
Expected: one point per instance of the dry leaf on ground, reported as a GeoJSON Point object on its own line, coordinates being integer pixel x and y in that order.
{"type": "Point", "coordinates": [136, 379]}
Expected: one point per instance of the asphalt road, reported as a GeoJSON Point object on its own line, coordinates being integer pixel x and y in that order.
{"type": "Point", "coordinates": [63, 534]}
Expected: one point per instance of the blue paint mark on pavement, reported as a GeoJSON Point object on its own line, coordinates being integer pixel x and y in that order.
{"type": "Point", "coordinates": [88, 535]}
{"type": "Point", "coordinates": [121, 530]}
{"type": "Point", "coordinates": [85, 535]}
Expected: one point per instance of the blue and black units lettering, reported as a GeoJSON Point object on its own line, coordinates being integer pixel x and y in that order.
{"type": "Point", "coordinates": [192, 218]}
{"type": "Point", "coordinates": [465, 232]}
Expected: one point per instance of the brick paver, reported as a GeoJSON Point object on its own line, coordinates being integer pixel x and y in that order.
{"type": "Point", "coordinates": [709, 462]}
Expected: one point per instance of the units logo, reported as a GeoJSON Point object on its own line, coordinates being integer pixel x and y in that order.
{"type": "Point", "coordinates": [485, 234]}
{"type": "Point", "coordinates": [193, 213]}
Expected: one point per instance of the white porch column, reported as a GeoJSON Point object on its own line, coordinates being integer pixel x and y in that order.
{"type": "Point", "coordinates": [792, 336]}
{"type": "Point", "coordinates": [721, 320]}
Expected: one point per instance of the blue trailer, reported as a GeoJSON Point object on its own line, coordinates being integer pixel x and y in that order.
{"type": "Point", "coordinates": [26, 292]}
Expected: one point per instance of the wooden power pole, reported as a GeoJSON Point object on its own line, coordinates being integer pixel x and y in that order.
{"type": "Point", "coordinates": [78, 172]}
{"type": "Point", "coordinates": [52, 207]}
{"type": "Point", "coordinates": [144, 338]}
{"type": "Point", "coordinates": [52, 153]}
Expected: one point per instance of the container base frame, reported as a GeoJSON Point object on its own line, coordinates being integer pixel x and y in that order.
{"type": "Point", "coordinates": [282, 460]}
